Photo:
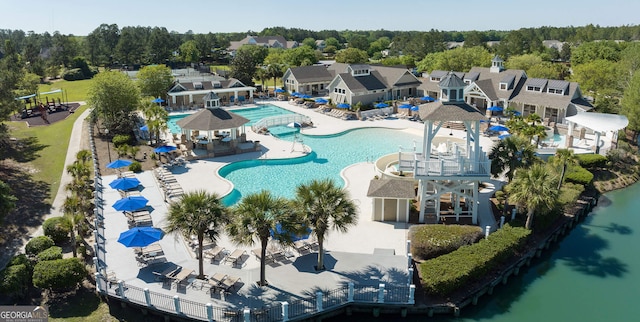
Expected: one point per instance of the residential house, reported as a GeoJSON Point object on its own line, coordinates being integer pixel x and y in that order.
{"type": "Point", "coordinates": [265, 41]}
{"type": "Point", "coordinates": [321, 44]}
{"type": "Point", "coordinates": [497, 86]}
{"type": "Point", "coordinates": [212, 90]}
{"type": "Point", "coordinates": [312, 80]}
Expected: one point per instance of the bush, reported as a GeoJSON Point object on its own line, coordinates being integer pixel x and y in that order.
{"type": "Point", "coordinates": [58, 228]}
{"type": "Point", "coordinates": [73, 74]}
{"type": "Point", "coordinates": [135, 166]}
{"type": "Point", "coordinates": [592, 161]}
{"type": "Point", "coordinates": [121, 139]}
{"type": "Point", "coordinates": [430, 241]}
{"type": "Point", "coordinates": [14, 280]}
{"type": "Point", "coordinates": [38, 244]}
{"type": "Point", "coordinates": [578, 175]}
{"type": "Point", "coordinates": [59, 274]}
{"type": "Point", "coordinates": [49, 254]}
{"type": "Point", "coordinates": [448, 273]}
{"type": "Point", "coordinates": [19, 259]}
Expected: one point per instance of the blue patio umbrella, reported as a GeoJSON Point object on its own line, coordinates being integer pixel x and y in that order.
{"type": "Point", "coordinates": [427, 98]}
{"type": "Point", "coordinates": [495, 109]}
{"type": "Point", "coordinates": [157, 100]}
{"type": "Point", "coordinates": [295, 94]}
{"type": "Point", "coordinates": [381, 105]}
{"type": "Point", "coordinates": [164, 149]}
{"type": "Point", "coordinates": [144, 128]}
{"type": "Point", "coordinates": [305, 96]}
{"type": "Point", "coordinates": [321, 101]}
{"type": "Point", "coordinates": [343, 105]}
{"type": "Point", "coordinates": [516, 113]}
{"type": "Point", "coordinates": [119, 164]}
{"type": "Point", "coordinates": [130, 203]}
{"type": "Point", "coordinates": [140, 236]}
{"type": "Point", "coordinates": [405, 106]}
{"type": "Point", "coordinates": [124, 183]}
{"type": "Point", "coordinates": [294, 125]}
{"type": "Point", "coordinates": [280, 231]}
{"type": "Point", "coordinates": [415, 108]}
{"type": "Point", "coordinates": [498, 128]}
{"type": "Point", "coordinates": [484, 121]}
{"type": "Point", "coordinates": [504, 136]}
{"type": "Point", "coordinates": [278, 90]}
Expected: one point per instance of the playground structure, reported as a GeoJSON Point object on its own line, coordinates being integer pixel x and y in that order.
{"type": "Point", "coordinates": [35, 105]}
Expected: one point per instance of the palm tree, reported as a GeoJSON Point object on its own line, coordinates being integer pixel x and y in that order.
{"type": "Point", "coordinates": [563, 158]}
{"type": "Point", "coordinates": [255, 220]}
{"type": "Point", "coordinates": [274, 71]}
{"type": "Point", "coordinates": [262, 75]}
{"type": "Point", "coordinates": [157, 118]}
{"type": "Point", "coordinates": [510, 154]}
{"type": "Point", "coordinates": [325, 206]}
{"type": "Point", "coordinates": [75, 216]}
{"type": "Point", "coordinates": [198, 213]}
{"type": "Point", "coordinates": [533, 188]}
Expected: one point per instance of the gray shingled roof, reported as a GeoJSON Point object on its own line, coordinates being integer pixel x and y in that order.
{"type": "Point", "coordinates": [392, 75]}
{"type": "Point", "coordinates": [458, 111]}
{"type": "Point", "coordinates": [391, 188]}
{"type": "Point", "coordinates": [211, 119]}
{"type": "Point", "coordinates": [438, 73]}
{"type": "Point", "coordinates": [472, 76]}
{"type": "Point", "coordinates": [366, 82]}
{"type": "Point", "coordinates": [306, 74]}
{"type": "Point", "coordinates": [486, 74]}
{"type": "Point", "coordinates": [558, 84]}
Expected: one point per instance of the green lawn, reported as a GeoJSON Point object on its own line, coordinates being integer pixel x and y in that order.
{"type": "Point", "coordinates": [55, 139]}
{"type": "Point", "coordinates": [74, 91]}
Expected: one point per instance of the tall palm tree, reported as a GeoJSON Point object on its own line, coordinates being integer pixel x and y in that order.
{"type": "Point", "coordinates": [534, 188]}
{"type": "Point", "coordinates": [274, 71]}
{"type": "Point", "coordinates": [564, 158]}
{"type": "Point", "coordinates": [262, 75]}
{"type": "Point", "coordinates": [324, 207]}
{"type": "Point", "coordinates": [510, 154]}
{"type": "Point", "coordinates": [198, 213]}
{"type": "Point", "coordinates": [256, 218]}
{"type": "Point", "coordinates": [156, 118]}
{"type": "Point", "coordinates": [75, 216]}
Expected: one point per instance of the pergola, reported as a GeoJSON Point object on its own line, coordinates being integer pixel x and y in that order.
{"type": "Point", "coordinates": [598, 122]}
{"type": "Point", "coordinates": [212, 120]}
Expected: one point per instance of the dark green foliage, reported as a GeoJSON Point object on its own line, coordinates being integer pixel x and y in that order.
{"type": "Point", "coordinates": [58, 228]}
{"type": "Point", "coordinates": [14, 280]}
{"type": "Point", "coordinates": [59, 274]}
{"type": "Point", "coordinates": [592, 161]}
{"type": "Point", "coordinates": [73, 74]}
{"type": "Point", "coordinates": [579, 175]}
{"type": "Point", "coordinates": [569, 193]}
{"type": "Point", "coordinates": [121, 139]}
{"type": "Point", "coordinates": [38, 244]}
{"type": "Point", "coordinates": [49, 254]}
{"type": "Point", "coordinates": [430, 241]}
{"type": "Point", "coordinates": [19, 259]}
{"type": "Point", "coordinates": [448, 273]}
{"type": "Point", "coordinates": [135, 167]}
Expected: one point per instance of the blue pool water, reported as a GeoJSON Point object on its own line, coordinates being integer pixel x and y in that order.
{"type": "Point", "coordinates": [253, 114]}
{"type": "Point", "coordinates": [331, 154]}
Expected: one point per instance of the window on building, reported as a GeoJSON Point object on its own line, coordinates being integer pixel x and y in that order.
{"type": "Point", "coordinates": [435, 79]}
{"type": "Point", "coordinates": [551, 114]}
{"type": "Point", "coordinates": [528, 109]}
{"type": "Point", "coordinates": [503, 86]}
{"type": "Point", "coordinates": [555, 91]}
{"type": "Point", "coordinates": [534, 88]}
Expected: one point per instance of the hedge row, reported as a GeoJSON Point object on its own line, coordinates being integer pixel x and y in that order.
{"type": "Point", "coordinates": [592, 161]}
{"type": "Point", "coordinates": [579, 175]}
{"type": "Point", "coordinates": [431, 241]}
{"type": "Point", "coordinates": [450, 272]}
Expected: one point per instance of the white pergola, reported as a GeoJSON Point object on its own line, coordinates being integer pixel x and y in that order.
{"type": "Point", "coordinates": [600, 123]}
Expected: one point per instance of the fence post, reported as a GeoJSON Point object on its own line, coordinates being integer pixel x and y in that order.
{"type": "Point", "coordinates": [410, 279]}
{"type": "Point", "coordinates": [381, 293]}
{"type": "Point", "coordinates": [513, 213]}
{"type": "Point", "coordinates": [408, 247]}
{"type": "Point", "coordinates": [412, 294]}
{"type": "Point", "coordinates": [121, 288]}
{"type": "Point", "coordinates": [350, 292]}
{"type": "Point", "coordinates": [247, 314]}
{"type": "Point", "coordinates": [319, 301]}
{"type": "Point", "coordinates": [209, 312]}
{"type": "Point", "coordinates": [147, 296]}
{"type": "Point", "coordinates": [176, 303]}
{"type": "Point", "coordinates": [501, 221]}
{"type": "Point", "coordinates": [487, 230]}
{"type": "Point", "coordinates": [409, 260]}
{"type": "Point", "coordinates": [98, 281]}
{"type": "Point", "coordinates": [285, 311]}
{"type": "Point", "coordinates": [96, 263]}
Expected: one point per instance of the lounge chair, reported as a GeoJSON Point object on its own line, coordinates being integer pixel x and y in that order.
{"type": "Point", "coordinates": [229, 283]}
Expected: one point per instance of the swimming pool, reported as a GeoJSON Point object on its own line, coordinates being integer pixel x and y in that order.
{"type": "Point", "coordinates": [331, 154]}
{"type": "Point", "coordinates": [557, 139]}
{"type": "Point", "coordinates": [253, 114]}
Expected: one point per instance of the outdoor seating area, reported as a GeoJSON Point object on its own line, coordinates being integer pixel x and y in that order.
{"type": "Point", "coordinates": [169, 185]}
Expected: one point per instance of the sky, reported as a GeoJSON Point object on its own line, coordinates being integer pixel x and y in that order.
{"type": "Point", "coordinates": [81, 17]}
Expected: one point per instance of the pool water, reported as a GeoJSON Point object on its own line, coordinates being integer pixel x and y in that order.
{"type": "Point", "coordinates": [253, 114]}
{"type": "Point", "coordinates": [557, 139]}
{"type": "Point", "coordinates": [331, 154]}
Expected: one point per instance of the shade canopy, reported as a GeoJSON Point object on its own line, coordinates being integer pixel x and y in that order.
{"type": "Point", "coordinates": [495, 109]}
{"type": "Point", "coordinates": [600, 122]}
{"type": "Point", "coordinates": [405, 106]}
{"type": "Point", "coordinates": [278, 90]}
{"type": "Point", "coordinates": [381, 105]}
{"type": "Point", "coordinates": [119, 164]}
{"type": "Point", "coordinates": [295, 94]}
{"type": "Point", "coordinates": [427, 98]}
{"type": "Point", "coordinates": [305, 96]}
{"type": "Point", "coordinates": [294, 125]}
{"type": "Point", "coordinates": [124, 183]}
{"type": "Point", "coordinates": [498, 128]}
{"type": "Point", "coordinates": [279, 231]}
{"type": "Point", "coordinates": [321, 101]}
{"type": "Point", "coordinates": [504, 136]}
{"type": "Point", "coordinates": [140, 236]}
{"type": "Point", "coordinates": [343, 105]}
{"type": "Point", "coordinates": [157, 100]}
{"type": "Point", "coordinates": [132, 203]}
{"type": "Point", "coordinates": [212, 119]}
{"type": "Point", "coordinates": [144, 128]}
{"type": "Point", "coordinates": [164, 149]}
{"type": "Point", "coordinates": [414, 108]}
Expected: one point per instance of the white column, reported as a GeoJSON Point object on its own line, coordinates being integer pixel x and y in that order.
{"type": "Point", "coordinates": [285, 310]}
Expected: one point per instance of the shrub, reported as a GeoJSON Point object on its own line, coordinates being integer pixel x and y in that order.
{"type": "Point", "coordinates": [592, 161]}
{"type": "Point", "coordinates": [14, 280]}
{"type": "Point", "coordinates": [58, 228]}
{"type": "Point", "coordinates": [579, 175]}
{"type": "Point", "coordinates": [38, 244]}
{"type": "Point", "coordinates": [569, 193]}
{"type": "Point", "coordinates": [121, 139]}
{"type": "Point", "coordinates": [448, 273]}
{"type": "Point", "coordinates": [135, 166]}
{"type": "Point", "coordinates": [73, 74]}
{"type": "Point", "coordinates": [429, 241]}
{"type": "Point", "coordinates": [59, 274]}
{"type": "Point", "coordinates": [19, 259]}
{"type": "Point", "coordinates": [50, 254]}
